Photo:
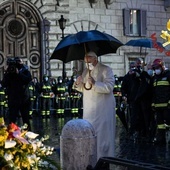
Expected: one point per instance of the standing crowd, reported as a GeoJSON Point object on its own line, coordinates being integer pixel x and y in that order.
{"type": "Point", "coordinates": [147, 94]}
{"type": "Point", "coordinates": [22, 95]}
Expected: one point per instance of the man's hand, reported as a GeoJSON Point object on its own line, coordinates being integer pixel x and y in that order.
{"type": "Point", "coordinates": [79, 80]}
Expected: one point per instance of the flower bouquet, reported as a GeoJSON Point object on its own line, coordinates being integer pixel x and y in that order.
{"type": "Point", "coordinates": [20, 150]}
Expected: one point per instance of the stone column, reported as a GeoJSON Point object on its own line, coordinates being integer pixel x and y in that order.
{"type": "Point", "coordinates": [78, 145]}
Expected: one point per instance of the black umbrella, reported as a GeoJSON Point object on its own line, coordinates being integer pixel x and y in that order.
{"type": "Point", "coordinates": [121, 114]}
{"type": "Point", "coordinates": [75, 46]}
{"type": "Point", "coordinates": [143, 43]}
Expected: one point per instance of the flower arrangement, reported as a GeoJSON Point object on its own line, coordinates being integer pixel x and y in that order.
{"type": "Point", "coordinates": [20, 150]}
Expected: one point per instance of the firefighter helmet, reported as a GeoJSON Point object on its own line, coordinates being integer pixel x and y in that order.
{"type": "Point", "coordinates": [158, 63]}
{"type": "Point", "coordinates": [45, 78]}
{"type": "Point", "coordinates": [59, 79]}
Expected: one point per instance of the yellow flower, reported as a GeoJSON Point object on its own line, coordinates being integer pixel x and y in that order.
{"type": "Point", "coordinates": [25, 164]}
{"type": "Point", "coordinates": [16, 161]}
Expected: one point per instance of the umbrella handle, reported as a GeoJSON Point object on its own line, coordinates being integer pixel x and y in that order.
{"type": "Point", "coordinates": [86, 87]}
{"type": "Point", "coordinates": [88, 70]}
{"type": "Point", "coordinates": [85, 83]}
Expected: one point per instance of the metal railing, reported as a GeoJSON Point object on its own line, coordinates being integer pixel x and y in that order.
{"type": "Point", "coordinates": [109, 163]}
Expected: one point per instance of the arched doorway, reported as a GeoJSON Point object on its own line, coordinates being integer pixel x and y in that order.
{"type": "Point", "coordinates": [20, 35]}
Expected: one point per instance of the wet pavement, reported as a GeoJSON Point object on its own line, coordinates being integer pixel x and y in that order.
{"type": "Point", "coordinates": [125, 148]}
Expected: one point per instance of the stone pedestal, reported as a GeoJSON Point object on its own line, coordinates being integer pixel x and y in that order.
{"type": "Point", "coordinates": [78, 145]}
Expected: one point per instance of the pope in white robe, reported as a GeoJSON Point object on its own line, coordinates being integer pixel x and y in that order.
{"type": "Point", "coordinates": [96, 83]}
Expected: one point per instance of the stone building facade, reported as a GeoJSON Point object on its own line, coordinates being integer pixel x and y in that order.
{"type": "Point", "coordinates": [32, 30]}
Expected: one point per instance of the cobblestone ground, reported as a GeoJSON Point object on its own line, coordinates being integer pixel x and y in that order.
{"type": "Point", "coordinates": [125, 148]}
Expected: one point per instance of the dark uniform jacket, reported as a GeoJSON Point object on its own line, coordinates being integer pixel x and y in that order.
{"type": "Point", "coordinates": [161, 90]}
{"type": "Point", "coordinates": [17, 85]}
{"type": "Point", "coordinates": [135, 88]}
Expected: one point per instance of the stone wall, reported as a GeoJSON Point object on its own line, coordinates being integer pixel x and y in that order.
{"type": "Point", "coordinates": [81, 15]}
{"type": "Point", "coordinates": [110, 20]}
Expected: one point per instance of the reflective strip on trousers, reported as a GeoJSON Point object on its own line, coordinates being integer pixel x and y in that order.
{"type": "Point", "coordinates": [161, 126]}
{"type": "Point", "coordinates": [60, 111]}
{"type": "Point", "coordinates": [160, 105]}
{"type": "Point", "coordinates": [43, 113]}
{"type": "Point", "coordinates": [48, 112]}
{"type": "Point", "coordinates": [74, 110]}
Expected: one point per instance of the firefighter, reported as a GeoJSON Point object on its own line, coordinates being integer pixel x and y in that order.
{"type": "Point", "coordinates": [36, 104]}
{"type": "Point", "coordinates": [66, 82]}
{"type": "Point", "coordinates": [74, 97]}
{"type": "Point", "coordinates": [46, 92]}
{"type": "Point", "coordinates": [161, 99]}
{"type": "Point", "coordinates": [61, 89]}
{"type": "Point", "coordinates": [54, 89]}
{"type": "Point", "coordinates": [2, 101]}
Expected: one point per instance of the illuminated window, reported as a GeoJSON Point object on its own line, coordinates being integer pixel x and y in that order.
{"type": "Point", "coordinates": [134, 22]}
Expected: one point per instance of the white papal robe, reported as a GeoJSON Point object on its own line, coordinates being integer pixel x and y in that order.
{"type": "Point", "coordinates": [99, 107]}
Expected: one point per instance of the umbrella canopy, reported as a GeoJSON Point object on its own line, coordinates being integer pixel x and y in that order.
{"type": "Point", "coordinates": [75, 46]}
{"type": "Point", "coordinates": [140, 43]}
{"type": "Point", "coordinates": [145, 42]}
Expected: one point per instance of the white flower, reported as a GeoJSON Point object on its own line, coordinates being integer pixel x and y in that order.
{"type": "Point", "coordinates": [38, 158]}
{"type": "Point", "coordinates": [8, 157]}
{"type": "Point", "coordinates": [48, 153]}
{"type": "Point", "coordinates": [31, 159]}
{"type": "Point", "coordinates": [46, 137]}
{"type": "Point", "coordinates": [9, 144]}
{"type": "Point", "coordinates": [49, 148]}
{"type": "Point", "coordinates": [34, 146]}
{"type": "Point", "coordinates": [43, 150]}
{"type": "Point", "coordinates": [42, 139]}
{"type": "Point", "coordinates": [25, 126]}
{"type": "Point", "coordinates": [44, 163]}
{"type": "Point", "coordinates": [39, 144]}
{"type": "Point", "coordinates": [31, 135]}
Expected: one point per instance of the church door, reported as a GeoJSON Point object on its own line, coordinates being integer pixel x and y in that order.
{"type": "Point", "coordinates": [20, 35]}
